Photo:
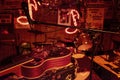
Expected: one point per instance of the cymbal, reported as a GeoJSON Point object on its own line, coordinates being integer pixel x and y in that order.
{"type": "Point", "coordinates": [78, 55]}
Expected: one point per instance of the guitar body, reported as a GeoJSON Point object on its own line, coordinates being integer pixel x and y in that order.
{"type": "Point", "coordinates": [33, 71]}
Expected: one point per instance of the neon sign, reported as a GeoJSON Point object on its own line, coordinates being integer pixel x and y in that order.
{"type": "Point", "coordinates": [75, 17]}
{"type": "Point", "coordinates": [21, 20]}
{"type": "Point", "coordinates": [33, 6]}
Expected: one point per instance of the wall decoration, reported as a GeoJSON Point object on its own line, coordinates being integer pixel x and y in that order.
{"type": "Point", "coordinates": [64, 17]}
{"type": "Point", "coordinates": [95, 16]}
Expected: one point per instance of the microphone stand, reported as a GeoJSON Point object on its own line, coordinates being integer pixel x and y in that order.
{"type": "Point", "coordinates": [95, 47]}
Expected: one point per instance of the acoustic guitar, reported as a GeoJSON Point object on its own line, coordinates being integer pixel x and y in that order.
{"type": "Point", "coordinates": [33, 69]}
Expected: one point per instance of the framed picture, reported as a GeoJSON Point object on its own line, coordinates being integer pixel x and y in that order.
{"type": "Point", "coordinates": [64, 17]}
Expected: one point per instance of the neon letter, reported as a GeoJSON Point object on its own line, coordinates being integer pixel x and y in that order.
{"type": "Point", "coordinates": [75, 17]}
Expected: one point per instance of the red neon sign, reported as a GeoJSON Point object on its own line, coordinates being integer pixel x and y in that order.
{"type": "Point", "coordinates": [33, 6]}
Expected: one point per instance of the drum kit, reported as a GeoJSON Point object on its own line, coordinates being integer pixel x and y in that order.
{"type": "Point", "coordinates": [77, 47]}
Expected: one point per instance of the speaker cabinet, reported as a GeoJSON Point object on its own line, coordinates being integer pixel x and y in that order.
{"type": "Point", "coordinates": [6, 23]}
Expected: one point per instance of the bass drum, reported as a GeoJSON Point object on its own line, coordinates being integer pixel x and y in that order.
{"type": "Point", "coordinates": [84, 42]}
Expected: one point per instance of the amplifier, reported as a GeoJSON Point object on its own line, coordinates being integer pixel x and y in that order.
{"type": "Point", "coordinates": [6, 23]}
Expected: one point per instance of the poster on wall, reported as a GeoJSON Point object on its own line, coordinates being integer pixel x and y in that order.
{"type": "Point", "coordinates": [95, 16]}
{"type": "Point", "coordinates": [64, 17]}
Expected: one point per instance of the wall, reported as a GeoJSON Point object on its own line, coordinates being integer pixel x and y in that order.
{"type": "Point", "coordinates": [50, 34]}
